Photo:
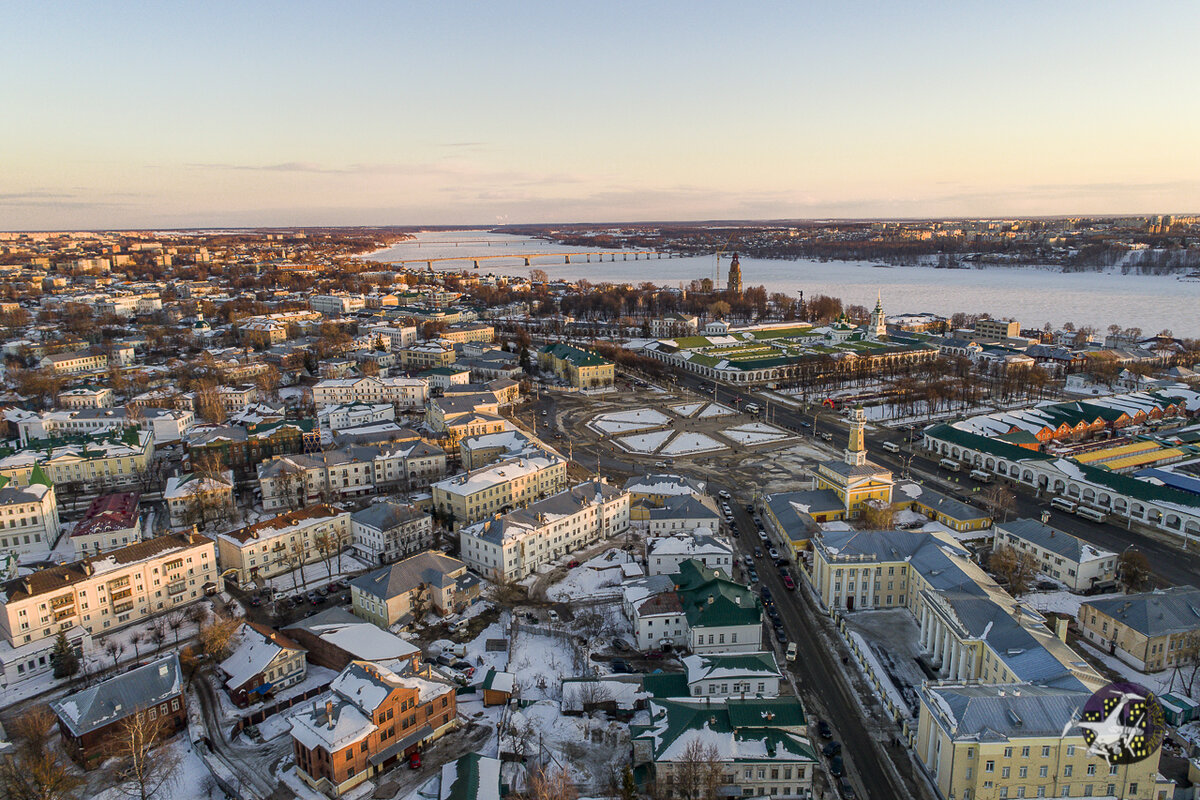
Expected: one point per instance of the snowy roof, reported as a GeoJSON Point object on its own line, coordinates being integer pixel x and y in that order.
{"type": "Point", "coordinates": [116, 698]}
{"type": "Point", "coordinates": [1054, 540]}
{"type": "Point", "coordinates": [360, 639]}
{"type": "Point", "coordinates": [1155, 613]}
{"type": "Point", "coordinates": [733, 666]}
{"type": "Point", "coordinates": [471, 777]}
{"type": "Point", "coordinates": [257, 647]}
{"type": "Point", "coordinates": [997, 713]}
{"type": "Point", "coordinates": [428, 568]}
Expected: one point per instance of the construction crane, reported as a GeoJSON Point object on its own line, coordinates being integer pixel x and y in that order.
{"type": "Point", "coordinates": [717, 268]}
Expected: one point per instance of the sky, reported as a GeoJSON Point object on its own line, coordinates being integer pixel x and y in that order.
{"type": "Point", "coordinates": [187, 114]}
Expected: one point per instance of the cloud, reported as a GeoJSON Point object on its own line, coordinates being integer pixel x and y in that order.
{"type": "Point", "coordinates": [286, 166]}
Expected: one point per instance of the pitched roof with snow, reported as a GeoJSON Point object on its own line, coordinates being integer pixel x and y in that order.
{"type": "Point", "coordinates": [116, 698]}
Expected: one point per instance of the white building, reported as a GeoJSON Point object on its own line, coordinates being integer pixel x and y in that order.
{"type": "Point", "coordinates": [1059, 555]}
{"type": "Point", "coordinates": [385, 532]}
{"type": "Point", "coordinates": [733, 675]}
{"type": "Point", "coordinates": [111, 522]}
{"type": "Point", "coordinates": [352, 415]}
{"type": "Point", "coordinates": [400, 392]}
{"type": "Point", "coordinates": [195, 500]}
{"type": "Point", "coordinates": [28, 516]}
{"type": "Point", "coordinates": [335, 304]}
{"type": "Point", "coordinates": [516, 544]}
{"type": "Point", "coordinates": [665, 554]}
{"type": "Point", "coordinates": [394, 337]}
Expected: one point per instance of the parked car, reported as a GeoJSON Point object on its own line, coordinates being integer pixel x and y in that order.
{"type": "Point", "coordinates": [621, 665]}
{"type": "Point", "coordinates": [789, 583]}
{"type": "Point", "coordinates": [762, 535]}
{"type": "Point", "coordinates": [446, 659]}
{"type": "Point", "coordinates": [620, 644]}
{"type": "Point", "coordinates": [749, 508]}
{"type": "Point", "coordinates": [773, 553]}
{"type": "Point", "coordinates": [572, 564]}
{"type": "Point", "coordinates": [831, 749]}
{"type": "Point", "coordinates": [773, 613]}
{"type": "Point", "coordinates": [553, 615]}
{"type": "Point", "coordinates": [791, 651]}
{"type": "Point", "coordinates": [414, 761]}
{"type": "Point", "coordinates": [846, 789]}
{"type": "Point", "coordinates": [317, 600]}
{"type": "Point", "coordinates": [724, 495]}
{"type": "Point", "coordinates": [747, 560]}
{"type": "Point", "coordinates": [780, 635]}
{"type": "Point", "coordinates": [836, 767]}
{"type": "Point", "coordinates": [766, 594]}
{"type": "Point", "coordinates": [463, 666]}
{"type": "Point", "coordinates": [824, 730]}
{"type": "Point", "coordinates": [753, 575]}
{"type": "Point", "coordinates": [655, 655]}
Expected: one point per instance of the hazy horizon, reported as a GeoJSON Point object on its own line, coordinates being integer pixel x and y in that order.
{"type": "Point", "coordinates": [146, 115]}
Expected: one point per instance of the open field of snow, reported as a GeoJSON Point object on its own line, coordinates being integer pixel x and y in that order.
{"type": "Point", "coordinates": [755, 433]}
{"type": "Point", "coordinates": [635, 419]}
{"type": "Point", "coordinates": [715, 410]}
{"type": "Point", "coordinates": [644, 443]}
{"type": "Point", "coordinates": [594, 575]}
{"type": "Point", "coordinates": [686, 444]}
{"type": "Point", "coordinates": [685, 409]}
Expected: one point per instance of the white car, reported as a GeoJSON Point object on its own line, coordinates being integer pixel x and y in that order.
{"type": "Point", "coordinates": [724, 495]}
{"type": "Point", "coordinates": [791, 651]}
{"type": "Point", "coordinates": [552, 615]}
{"type": "Point", "coordinates": [773, 553]}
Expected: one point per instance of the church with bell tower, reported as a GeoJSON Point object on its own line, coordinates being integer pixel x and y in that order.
{"type": "Point", "coordinates": [735, 276]}
{"type": "Point", "coordinates": [877, 327]}
{"type": "Point", "coordinates": [855, 480]}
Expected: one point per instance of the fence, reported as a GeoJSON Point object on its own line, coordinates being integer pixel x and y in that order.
{"type": "Point", "coordinates": [261, 713]}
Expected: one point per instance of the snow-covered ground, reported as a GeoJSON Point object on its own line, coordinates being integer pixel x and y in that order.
{"type": "Point", "coordinates": [634, 419]}
{"type": "Point", "coordinates": [540, 662]}
{"type": "Point", "coordinates": [192, 779]}
{"type": "Point", "coordinates": [316, 574]}
{"type": "Point", "coordinates": [686, 409]}
{"type": "Point", "coordinates": [645, 443]}
{"type": "Point", "coordinates": [755, 433]}
{"type": "Point", "coordinates": [589, 749]}
{"type": "Point", "coordinates": [715, 410]}
{"type": "Point", "coordinates": [1158, 682]}
{"type": "Point", "coordinates": [689, 443]}
{"type": "Point", "coordinates": [592, 576]}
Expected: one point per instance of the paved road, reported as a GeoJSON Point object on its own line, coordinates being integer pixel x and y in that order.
{"type": "Point", "coordinates": [824, 684]}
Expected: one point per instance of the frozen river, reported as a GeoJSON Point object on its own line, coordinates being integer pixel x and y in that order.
{"type": "Point", "coordinates": [1031, 295]}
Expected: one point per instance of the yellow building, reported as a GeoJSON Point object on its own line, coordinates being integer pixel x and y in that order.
{"type": "Point", "coordinates": [97, 461]}
{"type": "Point", "coordinates": [582, 369]}
{"type": "Point", "coordinates": [500, 487]}
{"type": "Point", "coordinates": [855, 480]}
{"type": "Point", "coordinates": [982, 742]}
{"type": "Point", "coordinates": [424, 355]}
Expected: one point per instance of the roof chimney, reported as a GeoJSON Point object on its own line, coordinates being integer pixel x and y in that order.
{"type": "Point", "coordinates": [329, 713]}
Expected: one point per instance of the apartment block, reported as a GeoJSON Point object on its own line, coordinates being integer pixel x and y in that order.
{"type": "Point", "coordinates": [283, 543]}
{"type": "Point", "coordinates": [512, 546]}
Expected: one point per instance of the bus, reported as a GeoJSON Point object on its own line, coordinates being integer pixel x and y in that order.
{"type": "Point", "coordinates": [751, 408]}
{"type": "Point", "coordinates": [950, 464]}
{"type": "Point", "coordinates": [891, 447]}
{"type": "Point", "coordinates": [1093, 514]}
{"type": "Point", "coordinates": [981, 476]}
{"type": "Point", "coordinates": [1064, 504]}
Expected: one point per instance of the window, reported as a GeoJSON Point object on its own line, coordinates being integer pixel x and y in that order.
{"type": "Point", "coordinates": [989, 766]}
{"type": "Point", "coordinates": [1046, 751]}
{"type": "Point", "coordinates": [1025, 752]}
{"type": "Point", "coordinates": [1023, 772]}
{"type": "Point", "coordinates": [1004, 772]}
{"type": "Point", "coordinates": [1091, 769]}
{"type": "Point", "coordinates": [1067, 770]}
{"type": "Point", "coordinates": [1008, 752]}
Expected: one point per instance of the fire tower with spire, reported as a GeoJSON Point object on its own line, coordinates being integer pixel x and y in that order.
{"type": "Point", "coordinates": [735, 276]}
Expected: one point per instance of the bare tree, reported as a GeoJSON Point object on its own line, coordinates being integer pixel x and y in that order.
{"type": "Point", "coordinates": [32, 770]}
{"type": "Point", "coordinates": [698, 773]}
{"type": "Point", "coordinates": [1016, 568]}
{"type": "Point", "coordinates": [1187, 662]}
{"type": "Point", "coordinates": [878, 515]}
{"type": "Point", "coordinates": [999, 501]}
{"type": "Point", "coordinates": [114, 650]}
{"type": "Point", "coordinates": [1133, 570]}
{"type": "Point", "coordinates": [141, 770]}
{"type": "Point", "coordinates": [216, 637]}
{"type": "Point", "coordinates": [174, 620]}
{"type": "Point", "coordinates": [552, 784]}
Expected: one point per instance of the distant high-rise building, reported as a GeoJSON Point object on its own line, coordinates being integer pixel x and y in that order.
{"type": "Point", "coordinates": [735, 275]}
